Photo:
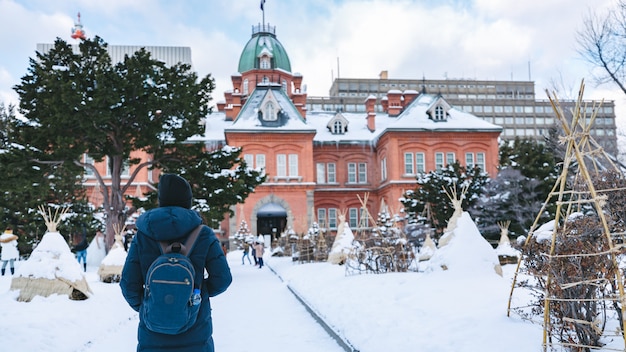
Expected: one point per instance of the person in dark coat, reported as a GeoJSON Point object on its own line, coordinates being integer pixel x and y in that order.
{"type": "Point", "coordinates": [80, 249]}
{"type": "Point", "coordinates": [174, 220]}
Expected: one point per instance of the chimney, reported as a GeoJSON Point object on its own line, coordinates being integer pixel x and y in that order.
{"type": "Point", "coordinates": [383, 74]}
{"type": "Point", "coordinates": [370, 106]}
{"type": "Point", "coordinates": [395, 102]}
{"type": "Point", "coordinates": [236, 79]}
{"type": "Point", "coordinates": [384, 102]}
{"type": "Point", "coordinates": [409, 96]}
{"type": "Point", "coordinates": [228, 110]}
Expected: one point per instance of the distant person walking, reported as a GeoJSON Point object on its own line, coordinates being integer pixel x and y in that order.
{"type": "Point", "coordinates": [80, 249]}
{"type": "Point", "coordinates": [246, 253]}
{"type": "Point", "coordinates": [10, 253]}
{"type": "Point", "coordinates": [259, 249]}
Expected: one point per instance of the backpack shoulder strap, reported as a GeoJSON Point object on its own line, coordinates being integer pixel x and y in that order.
{"type": "Point", "coordinates": [178, 247]}
{"type": "Point", "coordinates": [191, 240]}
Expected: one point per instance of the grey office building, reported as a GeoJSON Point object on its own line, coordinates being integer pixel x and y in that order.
{"type": "Point", "coordinates": [514, 105]}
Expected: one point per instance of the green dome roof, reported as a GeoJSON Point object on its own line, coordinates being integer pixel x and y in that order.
{"type": "Point", "coordinates": [263, 39]}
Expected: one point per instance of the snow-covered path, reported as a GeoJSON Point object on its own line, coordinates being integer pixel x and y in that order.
{"type": "Point", "coordinates": [257, 313]}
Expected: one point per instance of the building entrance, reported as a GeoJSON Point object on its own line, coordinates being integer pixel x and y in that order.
{"type": "Point", "coordinates": [271, 220]}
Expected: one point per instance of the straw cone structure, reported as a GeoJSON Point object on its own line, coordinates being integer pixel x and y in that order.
{"type": "Point", "coordinates": [110, 270]}
{"type": "Point", "coordinates": [571, 265]}
{"type": "Point", "coordinates": [51, 267]}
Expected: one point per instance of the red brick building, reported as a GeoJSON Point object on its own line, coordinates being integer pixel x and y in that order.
{"type": "Point", "coordinates": [321, 164]}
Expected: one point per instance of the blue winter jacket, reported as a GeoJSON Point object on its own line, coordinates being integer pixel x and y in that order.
{"type": "Point", "coordinates": [169, 224]}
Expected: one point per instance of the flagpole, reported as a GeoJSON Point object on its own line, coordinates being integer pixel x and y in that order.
{"type": "Point", "coordinates": [263, 10]}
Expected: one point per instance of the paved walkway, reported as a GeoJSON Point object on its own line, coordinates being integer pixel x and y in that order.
{"type": "Point", "coordinates": [258, 313]}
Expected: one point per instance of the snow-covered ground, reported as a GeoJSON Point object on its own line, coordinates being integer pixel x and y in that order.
{"type": "Point", "coordinates": [460, 309]}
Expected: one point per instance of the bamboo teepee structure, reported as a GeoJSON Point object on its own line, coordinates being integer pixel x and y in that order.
{"type": "Point", "coordinates": [571, 265]}
{"type": "Point", "coordinates": [51, 267]}
{"type": "Point", "coordinates": [110, 269]}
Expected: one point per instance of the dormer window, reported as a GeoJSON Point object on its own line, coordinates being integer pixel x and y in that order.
{"type": "Point", "coordinates": [270, 112]}
{"type": "Point", "coordinates": [338, 127]}
{"type": "Point", "coordinates": [265, 63]}
{"type": "Point", "coordinates": [438, 110]}
{"type": "Point", "coordinates": [440, 114]}
{"type": "Point", "coordinates": [338, 124]}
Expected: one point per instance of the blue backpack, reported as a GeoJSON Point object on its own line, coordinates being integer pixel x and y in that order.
{"type": "Point", "coordinates": [171, 300]}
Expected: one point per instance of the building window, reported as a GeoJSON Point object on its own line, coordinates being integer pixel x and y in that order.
{"type": "Point", "coordinates": [284, 85]}
{"type": "Point", "coordinates": [364, 220]}
{"type": "Point", "coordinates": [293, 164]}
{"type": "Point", "coordinates": [326, 173]}
{"type": "Point", "coordinates": [480, 160]}
{"type": "Point", "coordinates": [337, 127]}
{"type": "Point", "coordinates": [351, 173]}
{"type": "Point", "coordinates": [269, 112]}
{"type": "Point", "coordinates": [321, 173]}
{"type": "Point", "coordinates": [420, 162]}
{"type": "Point", "coordinates": [281, 165]}
{"type": "Point", "coordinates": [332, 172]}
{"type": "Point", "coordinates": [408, 164]}
{"type": "Point", "coordinates": [450, 158]}
{"type": "Point", "coordinates": [88, 160]}
{"type": "Point", "coordinates": [245, 86]}
{"type": "Point", "coordinates": [362, 173]}
{"type": "Point", "coordinates": [265, 63]}
{"type": "Point", "coordinates": [260, 162]}
{"type": "Point", "coordinates": [469, 160]}
{"type": "Point", "coordinates": [321, 217]}
{"type": "Point", "coordinates": [332, 218]}
{"type": "Point", "coordinates": [249, 159]}
{"type": "Point", "coordinates": [440, 114]}
{"type": "Point", "coordinates": [353, 218]}
{"type": "Point", "coordinates": [438, 161]}
{"type": "Point", "coordinates": [256, 162]}
{"type": "Point", "coordinates": [383, 169]}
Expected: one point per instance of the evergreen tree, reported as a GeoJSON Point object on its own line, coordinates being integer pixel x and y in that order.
{"type": "Point", "coordinates": [77, 103]}
{"type": "Point", "coordinates": [510, 196]}
{"type": "Point", "coordinates": [25, 186]}
{"type": "Point", "coordinates": [430, 191]}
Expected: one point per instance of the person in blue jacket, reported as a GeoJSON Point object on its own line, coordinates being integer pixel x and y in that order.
{"type": "Point", "coordinates": [173, 220]}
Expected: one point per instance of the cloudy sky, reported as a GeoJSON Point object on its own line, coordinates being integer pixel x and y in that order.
{"type": "Point", "coordinates": [435, 39]}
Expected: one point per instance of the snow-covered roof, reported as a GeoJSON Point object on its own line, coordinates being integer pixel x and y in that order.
{"type": "Point", "coordinates": [413, 118]}
{"type": "Point", "coordinates": [248, 118]}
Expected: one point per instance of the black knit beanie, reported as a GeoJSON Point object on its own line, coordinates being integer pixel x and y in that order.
{"type": "Point", "coordinates": [174, 191]}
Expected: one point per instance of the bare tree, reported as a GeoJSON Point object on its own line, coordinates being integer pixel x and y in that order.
{"type": "Point", "coordinates": [602, 42]}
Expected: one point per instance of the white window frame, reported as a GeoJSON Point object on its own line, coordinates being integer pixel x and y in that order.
{"type": "Point", "coordinates": [332, 218]}
{"type": "Point", "coordinates": [362, 173]}
{"type": "Point", "coordinates": [439, 160]}
{"type": "Point", "coordinates": [331, 169]}
{"type": "Point", "coordinates": [409, 165]}
{"type": "Point", "coordinates": [420, 162]}
{"type": "Point", "coordinates": [352, 174]}
{"type": "Point", "coordinates": [321, 173]}
{"type": "Point", "coordinates": [293, 165]}
{"type": "Point", "coordinates": [281, 165]}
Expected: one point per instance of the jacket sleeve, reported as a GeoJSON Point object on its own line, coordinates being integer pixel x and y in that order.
{"type": "Point", "coordinates": [217, 267]}
{"type": "Point", "coordinates": [131, 282]}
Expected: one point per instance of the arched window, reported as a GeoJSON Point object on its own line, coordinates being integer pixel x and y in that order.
{"type": "Point", "coordinates": [269, 113]}
{"type": "Point", "coordinates": [265, 63]}
{"type": "Point", "coordinates": [338, 127]}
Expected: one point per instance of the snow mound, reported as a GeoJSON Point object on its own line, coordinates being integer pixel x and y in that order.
{"type": "Point", "coordinates": [467, 252]}
{"type": "Point", "coordinates": [51, 259]}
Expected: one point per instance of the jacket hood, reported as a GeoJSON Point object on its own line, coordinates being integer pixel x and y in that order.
{"type": "Point", "coordinates": [168, 223]}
